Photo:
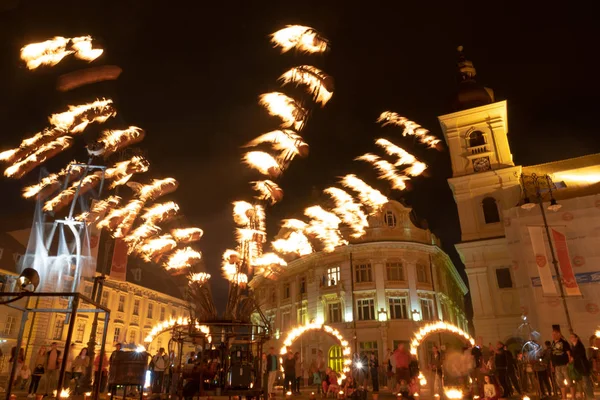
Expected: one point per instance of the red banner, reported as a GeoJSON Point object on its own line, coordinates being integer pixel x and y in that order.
{"type": "Point", "coordinates": [566, 269]}
{"type": "Point", "coordinates": [118, 269]}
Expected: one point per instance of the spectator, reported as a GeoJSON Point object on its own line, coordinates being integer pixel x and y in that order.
{"type": "Point", "coordinates": [289, 372]}
{"type": "Point", "coordinates": [25, 375]}
{"type": "Point", "coordinates": [160, 362]}
{"type": "Point", "coordinates": [69, 366]}
{"type": "Point", "coordinates": [501, 367]}
{"type": "Point", "coordinates": [272, 368]}
{"type": "Point", "coordinates": [512, 371]}
{"type": "Point", "coordinates": [100, 376]}
{"type": "Point", "coordinates": [436, 363]}
{"type": "Point", "coordinates": [402, 359]}
{"type": "Point", "coordinates": [374, 371]}
{"type": "Point", "coordinates": [541, 367]}
{"type": "Point", "coordinates": [490, 389]}
{"type": "Point", "coordinates": [52, 367]}
{"type": "Point", "coordinates": [320, 367]}
{"type": "Point", "coordinates": [561, 354]}
{"type": "Point", "coordinates": [38, 371]}
{"type": "Point", "coordinates": [349, 386]}
{"type": "Point", "coordinates": [582, 365]}
{"type": "Point", "coordinates": [80, 364]}
{"type": "Point", "coordinates": [298, 369]}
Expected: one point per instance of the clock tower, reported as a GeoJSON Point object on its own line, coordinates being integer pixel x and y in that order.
{"type": "Point", "coordinates": [484, 183]}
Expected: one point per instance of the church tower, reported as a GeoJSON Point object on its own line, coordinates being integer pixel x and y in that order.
{"type": "Point", "coordinates": [484, 183]}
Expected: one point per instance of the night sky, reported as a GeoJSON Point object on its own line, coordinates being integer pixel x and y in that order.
{"type": "Point", "coordinates": [192, 75]}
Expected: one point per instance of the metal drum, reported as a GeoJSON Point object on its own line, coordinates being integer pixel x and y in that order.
{"type": "Point", "coordinates": [128, 368]}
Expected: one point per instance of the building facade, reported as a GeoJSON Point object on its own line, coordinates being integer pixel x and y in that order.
{"type": "Point", "coordinates": [137, 305]}
{"type": "Point", "coordinates": [495, 244]}
{"type": "Point", "coordinates": [376, 291]}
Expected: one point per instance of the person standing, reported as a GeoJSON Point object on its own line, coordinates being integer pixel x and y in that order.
{"type": "Point", "coordinates": [501, 368]}
{"type": "Point", "coordinates": [69, 366]}
{"type": "Point", "coordinates": [289, 372]}
{"type": "Point", "coordinates": [298, 370]}
{"type": "Point", "coordinates": [374, 370]}
{"type": "Point", "coordinates": [541, 367]}
{"type": "Point", "coordinates": [52, 367]}
{"type": "Point", "coordinates": [320, 369]}
{"type": "Point", "coordinates": [582, 366]}
{"type": "Point", "coordinates": [38, 371]}
{"type": "Point", "coordinates": [436, 365]}
{"type": "Point", "coordinates": [160, 362]}
{"type": "Point", "coordinates": [512, 371]}
{"type": "Point", "coordinates": [80, 364]}
{"type": "Point", "coordinates": [561, 354]}
{"type": "Point", "coordinates": [25, 375]}
{"type": "Point", "coordinates": [402, 359]}
{"type": "Point", "coordinates": [100, 377]}
{"type": "Point", "coordinates": [272, 367]}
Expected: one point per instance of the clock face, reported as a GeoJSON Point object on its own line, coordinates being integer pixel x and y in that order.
{"type": "Point", "coordinates": [481, 164]}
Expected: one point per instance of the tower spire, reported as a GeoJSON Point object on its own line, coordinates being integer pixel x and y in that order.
{"type": "Point", "coordinates": [470, 94]}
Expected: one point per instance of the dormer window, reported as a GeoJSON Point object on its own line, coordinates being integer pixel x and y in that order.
{"type": "Point", "coordinates": [390, 219]}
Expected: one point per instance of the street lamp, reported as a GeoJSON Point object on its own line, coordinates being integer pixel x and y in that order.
{"type": "Point", "coordinates": [416, 315]}
{"type": "Point", "coordinates": [382, 315]}
{"type": "Point", "coordinates": [542, 184]}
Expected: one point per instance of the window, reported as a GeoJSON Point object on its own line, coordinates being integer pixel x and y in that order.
{"type": "Point", "coordinates": [87, 290]}
{"type": "Point", "coordinates": [10, 324]}
{"type": "Point", "coordinates": [334, 312]}
{"type": "Point", "coordinates": [80, 332]}
{"type": "Point", "coordinates": [427, 310]}
{"type": "Point", "coordinates": [273, 295]}
{"type": "Point", "coordinates": [422, 276]}
{"type": "Point", "coordinates": [490, 210]}
{"type": "Point", "coordinates": [398, 308]}
{"type": "Point", "coordinates": [286, 291]}
{"type": "Point", "coordinates": [390, 219]}
{"type": "Point", "coordinates": [366, 309]}
{"type": "Point", "coordinates": [367, 347]}
{"type": "Point", "coordinates": [476, 138]}
{"type": "Point", "coordinates": [285, 321]}
{"type": "Point", "coordinates": [302, 315]}
{"type": "Point", "coordinates": [162, 313]}
{"type": "Point", "coordinates": [333, 276]}
{"type": "Point", "coordinates": [446, 312]}
{"type": "Point", "coordinates": [104, 300]}
{"type": "Point", "coordinates": [58, 328]}
{"type": "Point", "coordinates": [121, 306]}
{"type": "Point", "coordinates": [302, 285]}
{"type": "Point", "coordinates": [504, 278]}
{"type": "Point", "coordinates": [136, 307]}
{"type": "Point", "coordinates": [117, 335]}
{"type": "Point", "coordinates": [363, 273]}
{"type": "Point", "coordinates": [336, 358]}
{"type": "Point", "coordinates": [173, 314]}
{"type": "Point", "coordinates": [150, 310]}
{"type": "Point", "coordinates": [132, 336]}
{"type": "Point", "coordinates": [99, 332]}
{"type": "Point", "coordinates": [394, 271]}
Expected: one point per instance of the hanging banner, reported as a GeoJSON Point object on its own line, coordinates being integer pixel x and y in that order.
{"type": "Point", "coordinates": [95, 237]}
{"type": "Point", "coordinates": [118, 269]}
{"type": "Point", "coordinates": [541, 260]}
{"type": "Point", "coordinates": [566, 269]}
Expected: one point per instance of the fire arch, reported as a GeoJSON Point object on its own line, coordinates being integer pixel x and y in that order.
{"type": "Point", "coordinates": [165, 326]}
{"type": "Point", "coordinates": [300, 330]}
{"type": "Point", "coordinates": [437, 327]}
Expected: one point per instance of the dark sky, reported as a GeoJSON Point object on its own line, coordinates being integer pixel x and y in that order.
{"type": "Point", "coordinates": [192, 75]}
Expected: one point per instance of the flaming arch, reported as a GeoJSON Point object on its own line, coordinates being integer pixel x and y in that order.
{"type": "Point", "coordinates": [165, 326]}
{"type": "Point", "coordinates": [436, 327]}
{"type": "Point", "coordinates": [300, 330]}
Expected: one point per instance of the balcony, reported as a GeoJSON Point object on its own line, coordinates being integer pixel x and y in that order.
{"type": "Point", "coordinates": [478, 151]}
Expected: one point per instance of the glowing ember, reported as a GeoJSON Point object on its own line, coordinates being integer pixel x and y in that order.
{"type": "Point", "coordinates": [112, 141]}
{"type": "Point", "coordinates": [65, 393]}
{"type": "Point", "coordinates": [287, 141]}
{"type": "Point", "coordinates": [318, 83]}
{"type": "Point", "coordinates": [268, 190]}
{"type": "Point", "coordinates": [303, 38]}
{"type": "Point", "coordinates": [52, 182]}
{"type": "Point", "coordinates": [410, 128]}
{"type": "Point", "coordinates": [152, 191]}
{"type": "Point", "coordinates": [453, 394]}
{"type": "Point", "coordinates": [183, 258]}
{"type": "Point", "coordinates": [366, 194]}
{"type": "Point", "coordinates": [199, 277]}
{"type": "Point", "coordinates": [349, 211]}
{"type": "Point", "coordinates": [263, 163]}
{"type": "Point", "coordinates": [187, 235]}
{"type": "Point", "coordinates": [160, 212]}
{"type": "Point", "coordinates": [284, 107]}
{"type": "Point", "coordinates": [42, 154]}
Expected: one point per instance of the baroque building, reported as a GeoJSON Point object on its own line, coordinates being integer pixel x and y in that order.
{"type": "Point", "coordinates": [496, 248]}
{"type": "Point", "coordinates": [376, 291]}
{"type": "Point", "coordinates": [146, 297]}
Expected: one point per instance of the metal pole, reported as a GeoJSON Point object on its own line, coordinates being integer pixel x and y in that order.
{"type": "Point", "coordinates": [63, 365]}
{"type": "Point", "coordinates": [96, 392]}
{"type": "Point", "coordinates": [13, 368]}
{"type": "Point", "coordinates": [353, 304]}
{"type": "Point", "coordinates": [554, 261]}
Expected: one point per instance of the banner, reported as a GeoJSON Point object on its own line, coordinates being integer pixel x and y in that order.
{"type": "Point", "coordinates": [566, 269]}
{"type": "Point", "coordinates": [541, 260]}
{"type": "Point", "coordinates": [94, 233]}
{"type": "Point", "coordinates": [118, 269]}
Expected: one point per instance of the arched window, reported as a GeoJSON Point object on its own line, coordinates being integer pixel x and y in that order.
{"type": "Point", "coordinates": [490, 210]}
{"type": "Point", "coordinates": [476, 138]}
{"type": "Point", "coordinates": [336, 358]}
{"type": "Point", "coordinates": [390, 219]}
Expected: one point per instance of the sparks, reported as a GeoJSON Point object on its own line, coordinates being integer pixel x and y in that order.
{"type": "Point", "coordinates": [160, 212]}
{"type": "Point", "coordinates": [367, 195]}
{"type": "Point", "coordinates": [318, 83]}
{"type": "Point", "coordinates": [112, 141]}
{"type": "Point", "coordinates": [263, 163]}
{"type": "Point", "coordinates": [267, 190]}
{"type": "Point", "coordinates": [411, 128]}
{"type": "Point", "coordinates": [183, 258]}
{"type": "Point", "coordinates": [349, 211]}
{"type": "Point", "coordinates": [199, 277]}
{"type": "Point", "coordinates": [303, 38]}
{"type": "Point", "coordinates": [284, 107]}
{"type": "Point", "coordinates": [187, 235]}
{"type": "Point", "coordinates": [43, 153]}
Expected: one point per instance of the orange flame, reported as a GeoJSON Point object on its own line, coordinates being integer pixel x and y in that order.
{"type": "Point", "coordinates": [160, 212]}
{"type": "Point", "coordinates": [122, 171]}
{"type": "Point", "coordinates": [139, 234]}
{"type": "Point", "coordinates": [52, 51]}
{"type": "Point", "coordinates": [268, 190]}
{"type": "Point", "coordinates": [324, 225]}
{"type": "Point", "coordinates": [183, 258]}
{"type": "Point", "coordinates": [83, 48]}
{"type": "Point", "coordinates": [52, 182]}
{"type": "Point", "coordinates": [112, 141]}
{"type": "Point", "coordinates": [318, 83]}
{"type": "Point", "coordinates": [65, 197]}
{"type": "Point", "coordinates": [349, 211]}
{"type": "Point", "coordinates": [199, 277]}
{"type": "Point", "coordinates": [77, 118]}
{"type": "Point", "coordinates": [284, 107]}
{"type": "Point", "coordinates": [41, 155]}
{"type": "Point", "coordinates": [368, 196]}
{"type": "Point", "coordinates": [263, 163]}
{"type": "Point", "coordinates": [153, 249]}
{"type": "Point", "coordinates": [288, 142]}
{"type": "Point", "coordinates": [386, 170]}
{"type": "Point", "coordinates": [98, 209]}
{"type": "Point", "coordinates": [154, 190]}
{"type": "Point", "coordinates": [303, 38]}
{"type": "Point", "coordinates": [187, 235]}
{"type": "Point", "coordinates": [411, 128]}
